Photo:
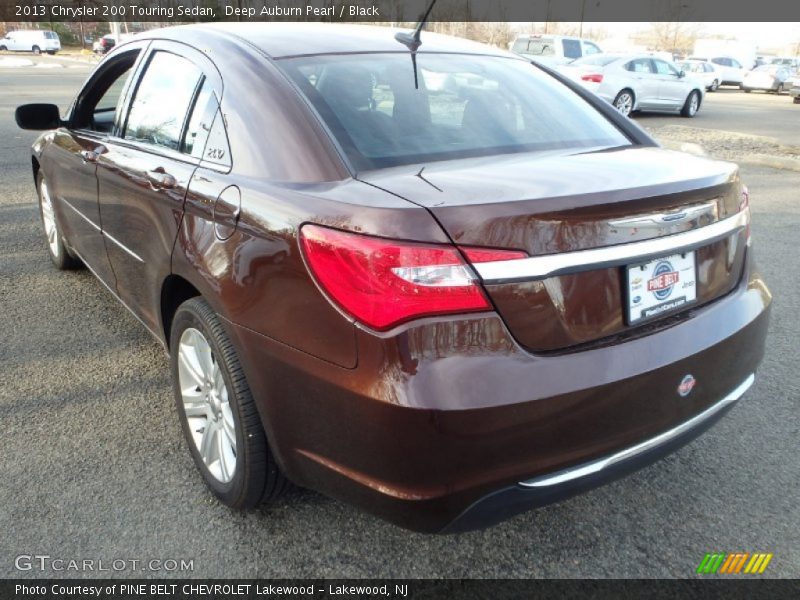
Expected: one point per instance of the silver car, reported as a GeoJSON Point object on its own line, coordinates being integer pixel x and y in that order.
{"type": "Point", "coordinates": [768, 78]}
{"type": "Point", "coordinates": [638, 83]}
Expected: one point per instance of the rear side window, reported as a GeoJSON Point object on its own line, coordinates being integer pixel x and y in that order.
{"type": "Point", "coordinates": [163, 100]}
{"type": "Point", "coordinates": [591, 48]}
{"type": "Point", "coordinates": [640, 65]}
{"type": "Point", "coordinates": [572, 48]}
{"type": "Point", "coordinates": [464, 106]}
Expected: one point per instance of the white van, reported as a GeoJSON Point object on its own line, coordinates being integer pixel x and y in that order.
{"type": "Point", "coordinates": [553, 50]}
{"type": "Point", "coordinates": [35, 40]}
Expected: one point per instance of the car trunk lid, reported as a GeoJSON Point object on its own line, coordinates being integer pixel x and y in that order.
{"type": "Point", "coordinates": [555, 204]}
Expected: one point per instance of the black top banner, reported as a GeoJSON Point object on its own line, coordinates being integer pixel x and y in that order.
{"type": "Point", "coordinates": [399, 11]}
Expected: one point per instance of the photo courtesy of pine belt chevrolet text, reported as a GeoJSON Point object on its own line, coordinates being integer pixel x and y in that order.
{"type": "Point", "coordinates": [418, 274]}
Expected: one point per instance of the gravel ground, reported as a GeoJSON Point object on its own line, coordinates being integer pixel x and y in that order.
{"type": "Point", "coordinates": [726, 145]}
{"type": "Point", "coordinates": [94, 466]}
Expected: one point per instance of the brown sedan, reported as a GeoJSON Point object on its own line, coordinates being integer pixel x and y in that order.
{"type": "Point", "coordinates": [446, 287]}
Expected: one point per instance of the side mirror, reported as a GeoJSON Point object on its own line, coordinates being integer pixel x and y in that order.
{"type": "Point", "coordinates": [682, 74]}
{"type": "Point", "coordinates": [38, 117]}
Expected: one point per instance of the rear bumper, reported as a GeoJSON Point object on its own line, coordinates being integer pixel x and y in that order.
{"type": "Point", "coordinates": [554, 487]}
{"type": "Point", "coordinates": [441, 420]}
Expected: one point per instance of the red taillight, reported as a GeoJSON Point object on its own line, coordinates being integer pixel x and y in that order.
{"type": "Point", "coordinates": [383, 282]}
{"type": "Point", "coordinates": [593, 77]}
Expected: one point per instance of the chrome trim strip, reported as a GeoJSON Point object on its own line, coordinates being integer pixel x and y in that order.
{"type": "Point", "coordinates": [548, 265]}
{"type": "Point", "coordinates": [123, 246]}
{"type": "Point", "coordinates": [82, 216]}
{"type": "Point", "coordinates": [603, 463]}
{"type": "Point", "coordinates": [104, 233]}
{"type": "Point", "coordinates": [667, 219]}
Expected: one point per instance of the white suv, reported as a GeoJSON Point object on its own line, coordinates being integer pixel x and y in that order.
{"type": "Point", "coordinates": [553, 50]}
{"type": "Point", "coordinates": [35, 40]}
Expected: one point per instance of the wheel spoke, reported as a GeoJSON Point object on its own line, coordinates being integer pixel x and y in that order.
{"type": "Point", "coordinates": [223, 458]}
{"type": "Point", "coordinates": [198, 408]}
{"type": "Point", "coordinates": [191, 365]}
{"type": "Point", "coordinates": [207, 444]}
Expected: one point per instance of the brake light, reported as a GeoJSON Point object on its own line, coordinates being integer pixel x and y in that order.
{"type": "Point", "coordinates": [593, 77]}
{"type": "Point", "coordinates": [383, 282]}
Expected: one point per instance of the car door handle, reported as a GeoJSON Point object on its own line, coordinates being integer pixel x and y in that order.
{"type": "Point", "coordinates": [92, 155]}
{"type": "Point", "coordinates": [161, 179]}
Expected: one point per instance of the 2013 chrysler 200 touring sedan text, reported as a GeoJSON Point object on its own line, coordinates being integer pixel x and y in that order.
{"type": "Point", "coordinates": [446, 286]}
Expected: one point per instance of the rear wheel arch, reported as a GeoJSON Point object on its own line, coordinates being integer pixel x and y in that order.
{"type": "Point", "coordinates": [175, 290]}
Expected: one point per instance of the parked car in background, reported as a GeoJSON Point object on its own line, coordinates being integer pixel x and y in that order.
{"type": "Point", "coordinates": [730, 70]}
{"type": "Point", "coordinates": [34, 40]}
{"type": "Point", "coordinates": [553, 50]}
{"type": "Point", "coordinates": [767, 78]}
{"type": "Point", "coordinates": [794, 92]}
{"type": "Point", "coordinates": [790, 64]}
{"type": "Point", "coordinates": [638, 83]}
{"type": "Point", "coordinates": [104, 44]}
{"type": "Point", "coordinates": [555, 302]}
{"type": "Point", "coordinates": [107, 43]}
{"type": "Point", "coordinates": [702, 70]}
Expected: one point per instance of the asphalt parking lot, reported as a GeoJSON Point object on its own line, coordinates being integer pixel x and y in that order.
{"type": "Point", "coordinates": [94, 464]}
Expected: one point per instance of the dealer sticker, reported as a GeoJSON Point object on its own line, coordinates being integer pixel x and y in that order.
{"type": "Point", "coordinates": [661, 286]}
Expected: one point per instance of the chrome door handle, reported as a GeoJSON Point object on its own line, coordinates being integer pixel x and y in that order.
{"type": "Point", "coordinates": [92, 155]}
{"type": "Point", "coordinates": [161, 179]}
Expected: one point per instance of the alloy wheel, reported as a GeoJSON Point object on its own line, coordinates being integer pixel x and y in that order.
{"type": "Point", "coordinates": [693, 104]}
{"type": "Point", "coordinates": [624, 103]}
{"type": "Point", "coordinates": [49, 218]}
{"type": "Point", "coordinates": [206, 404]}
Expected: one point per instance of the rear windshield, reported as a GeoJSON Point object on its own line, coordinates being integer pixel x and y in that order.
{"type": "Point", "coordinates": [535, 46]}
{"type": "Point", "coordinates": [50, 35]}
{"type": "Point", "coordinates": [464, 106]}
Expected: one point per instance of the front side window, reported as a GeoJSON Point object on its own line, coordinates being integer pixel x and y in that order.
{"type": "Point", "coordinates": [664, 68]}
{"type": "Point", "coordinates": [100, 102]}
{"type": "Point", "coordinates": [162, 101]}
{"type": "Point", "coordinates": [464, 106]}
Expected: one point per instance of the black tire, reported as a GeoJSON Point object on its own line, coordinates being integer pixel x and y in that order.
{"type": "Point", "coordinates": [746, 90]}
{"type": "Point", "coordinates": [3, 48]}
{"type": "Point", "coordinates": [714, 86]}
{"type": "Point", "coordinates": [257, 477]}
{"type": "Point", "coordinates": [63, 257]}
{"type": "Point", "coordinates": [36, 50]}
{"type": "Point", "coordinates": [796, 100]}
{"type": "Point", "coordinates": [622, 105]}
{"type": "Point", "coordinates": [51, 52]}
{"type": "Point", "coordinates": [692, 105]}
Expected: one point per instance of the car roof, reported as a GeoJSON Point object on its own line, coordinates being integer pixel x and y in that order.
{"type": "Point", "coordinates": [278, 40]}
